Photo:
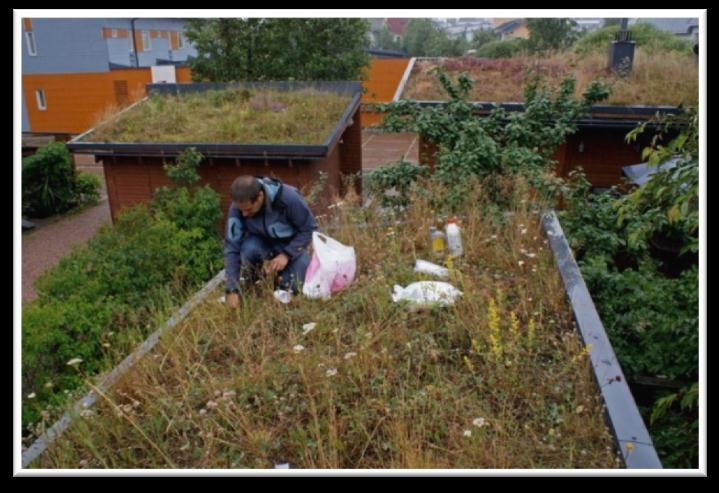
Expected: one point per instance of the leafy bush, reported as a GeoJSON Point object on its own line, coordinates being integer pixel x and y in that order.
{"type": "Point", "coordinates": [393, 182]}
{"type": "Point", "coordinates": [48, 181]}
{"type": "Point", "coordinates": [502, 48]}
{"type": "Point", "coordinates": [643, 34]}
{"type": "Point", "coordinates": [648, 301]}
{"type": "Point", "coordinates": [501, 143]}
{"type": "Point", "coordinates": [87, 188]}
{"type": "Point", "coordinates": [113, 284]}
{"type": "Point", "coordinates": [50, 184]}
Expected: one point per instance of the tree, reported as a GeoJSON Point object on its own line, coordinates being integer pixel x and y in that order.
{"type": "Point", "coordinates": [277, 49]}
{"type": "Point", "coordinates": [551, 34]}
{"type": "Point", "coordinates": [482, 37]}
{"type": "Point", "coordinates": [423, 38]}
{"type": "Point", "coordinates": [387, 41]}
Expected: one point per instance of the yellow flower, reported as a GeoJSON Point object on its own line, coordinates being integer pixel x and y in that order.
{"type": "Point", "coordinates": [494, 334]}
{"type": "Point", "coordinates": [469, 364]}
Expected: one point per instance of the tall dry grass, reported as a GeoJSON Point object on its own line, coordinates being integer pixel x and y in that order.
{"type": "Point", "coordinates": [498, 380]}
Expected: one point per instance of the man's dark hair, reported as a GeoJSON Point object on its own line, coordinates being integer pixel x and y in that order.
{"type": "Point", "coordinates": [245, 189]}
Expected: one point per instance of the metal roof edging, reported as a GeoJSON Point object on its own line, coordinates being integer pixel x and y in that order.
{"type": "Point", "coordinates": [405, 78]}
{"type": "Point", "coordinates": [41, 444]}
{"type": "Point", "coordinates": [625, 422]}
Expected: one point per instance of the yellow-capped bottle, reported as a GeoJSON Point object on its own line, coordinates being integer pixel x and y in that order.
{"type": "Point", "coordinates": [438, 240]}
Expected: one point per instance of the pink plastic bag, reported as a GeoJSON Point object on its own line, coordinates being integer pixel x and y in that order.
{"type": "Point", "coordinates": [331, 268]}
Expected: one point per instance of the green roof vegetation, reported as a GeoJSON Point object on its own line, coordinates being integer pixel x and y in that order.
{"type": "Point", "coordinates": [233, 116]}
{"type": "Point", "coordinates": [657, 78]}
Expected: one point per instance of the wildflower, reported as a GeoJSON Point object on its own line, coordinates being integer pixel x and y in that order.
{"type": "Point", "coordinates": [31, 396]}
{"type": "Point", "coordinates": [520, 263]}
{"type": "Point", "coordinates": [49, 385]}
{"type": "Point", "coordinates": [579, 409]}
{"type": "Point", "coordinates": [530, 254]}
{"type": "Point", "coordinates": [331, 372]}
{"type": "Point", "coordinates": [629, 446]}
{"type": "Point", "coordinates": [467, 433]}
{"type": "Point", "coordinates": [203, 412]}
{"type": "Point", "coordinates": [298, 348]}
{"type": "Point", "coordinates": [228, 394]}
{"type": "Point", "coordinates": [480, 422]}
{"type": "Point", "coordinates": [350, 355]}
{"type": "Point", "coordinates": [105, 344]}
{"type": "Point", "coordinates": [523, 231]}
{"type": "Point", "coordinates": [494, 334]}
{"type": "Point", "coordinates": [74, 362]}
{"type": "Point", "coordinates": [307, 328]}
{"type": "Point", "coordinates": [494, 237]}
{"type": "Point", "coordinates": [211, 404]}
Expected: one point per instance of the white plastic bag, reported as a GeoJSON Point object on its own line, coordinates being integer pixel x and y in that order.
{"type": "Point", "coordinates": [429, 268]}
{"type": "Point", "coordinates": [331, 269]}
{"type": "Point", "coordinates": [427, 293]}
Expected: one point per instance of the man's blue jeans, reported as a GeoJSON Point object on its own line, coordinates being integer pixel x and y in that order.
{"type": "Point", "coordinates": [256, 249]}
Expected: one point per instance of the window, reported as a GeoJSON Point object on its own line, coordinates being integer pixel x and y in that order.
{"type": "Point", "coordinates": [180, 41]}
{"type": "Point", "coordinates": [40, 96]}
{"type": "Point", "coordinates": [31, 46]}
{"type": "Point", "coordinates": [146, 41]}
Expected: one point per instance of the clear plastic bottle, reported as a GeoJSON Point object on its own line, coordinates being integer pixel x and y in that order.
{"type": "Point", "coordinates": [454, 238]}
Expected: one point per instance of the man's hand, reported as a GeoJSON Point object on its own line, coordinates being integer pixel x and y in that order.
{"type": "Point", "coordinates": [276, 264]}
{"type": "Point", "coordinates": [232, 299]}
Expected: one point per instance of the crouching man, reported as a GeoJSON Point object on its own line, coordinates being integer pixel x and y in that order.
{"type": "Point", "coordinates": [269, 229]}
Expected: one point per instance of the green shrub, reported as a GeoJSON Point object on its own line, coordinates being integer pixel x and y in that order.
{"type": "Point", "coordinates": [643, 34]}
{"type": "Point", "coordinates": [391, 183]}
{"type": "Point", "coordinates": [150, 257]}
{"type": "Point", "coordinates": [87, 188]}
{"type": "Point", "coordinates": [48, 181]}
{"type": "Point", "coordinates": [502, 48]}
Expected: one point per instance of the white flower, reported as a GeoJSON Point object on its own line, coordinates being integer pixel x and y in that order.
{"type": "Point", "coordinates": [494, 237]}
{"type": "Point", "coordinates": [211, 405]}
{"type": "Point", "coordinates": [520, 263]}
{"type": "Point", "coordinates": [74, 362]}
{"type": "Point", "coordinates": [467, 433]}
{"type": "Point", "coordinates": [307, 328]}
{"type": "Point", "coordinates": [203, 412]}
{"type": "Point", "coordinates": [298, 348]}
{"type": "Point", "coordinates": [530, 254]}
{"type": "Point", "coordinates": [350, 355]}
{"type": "Point", "coordinates": [31, 396]}
{"type": "Point", "coordinates": [479, 422]}
{"type": "Point", "coordinates": [229, 394]}
{"type": "Point", "coordinates": [523, 231]}
{"type": "Point", "coordinates": [331, 372]}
